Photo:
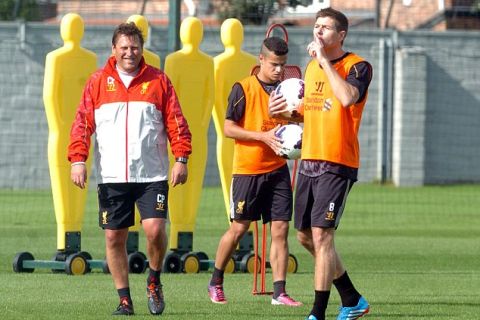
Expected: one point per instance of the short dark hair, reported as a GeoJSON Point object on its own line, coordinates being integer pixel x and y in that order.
{"type": "Point", "coordinates": [341, 21]}
{"type": "Point", "coordinates": [128, 29]}
{"type": "Point", "coordinates": [276, 45]}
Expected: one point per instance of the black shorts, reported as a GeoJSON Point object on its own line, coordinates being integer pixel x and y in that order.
{"type": "Point", "coordinates": [267, 196]}
{"type": "Point", "coordinates": [319, 201]}
{"type": "Point", "coordinates": [117, 201]}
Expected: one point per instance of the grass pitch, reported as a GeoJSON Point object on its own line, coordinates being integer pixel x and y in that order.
{"type": "Point", "coordinates": [412, 252]}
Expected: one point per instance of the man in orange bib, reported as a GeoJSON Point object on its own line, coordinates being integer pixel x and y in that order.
{"type": "Point", "coordinates": [336, 89]}
{"type": "Point", "coordinates": [261, 179]}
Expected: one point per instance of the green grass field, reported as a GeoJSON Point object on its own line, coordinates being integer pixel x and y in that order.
{"type": "Point", "coordinates": [414, 253]}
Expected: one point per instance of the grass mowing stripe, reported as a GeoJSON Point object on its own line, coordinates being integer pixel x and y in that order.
{"type": "Point", "coordinates": [413, 253]}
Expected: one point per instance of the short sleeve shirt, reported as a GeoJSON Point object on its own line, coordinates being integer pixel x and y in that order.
{"type": "Point", "coordinates": [359, 76]}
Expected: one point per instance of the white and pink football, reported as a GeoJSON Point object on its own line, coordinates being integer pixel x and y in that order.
{"type": "Point", "coordinates": [291, 136]}
{"type": "Point", "coordinates": [292, 90]}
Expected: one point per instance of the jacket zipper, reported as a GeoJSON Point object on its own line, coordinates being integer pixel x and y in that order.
{"type": "Point", "coordinates": [126, 140]}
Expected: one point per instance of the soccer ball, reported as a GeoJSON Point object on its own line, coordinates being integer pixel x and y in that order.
{"type": "Point", "coordinates": [291, 135]}
{"type": "Point", "coordinates": [292, 90]}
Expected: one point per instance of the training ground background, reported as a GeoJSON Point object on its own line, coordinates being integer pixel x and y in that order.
{"type": "Point", "coordinates": [411, 231]}
{"type": "Point", "coordinates": [420, 124]}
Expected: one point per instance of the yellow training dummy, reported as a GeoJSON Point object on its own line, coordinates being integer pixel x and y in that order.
{"type": "Point", "coordinates": [66, 71]}
{"type": "Point", "coordinates": [142, 24]}
{"type": "Point", "coordinates": [230, 66]}
{"type": "Point", "coordinates": [191, 73]}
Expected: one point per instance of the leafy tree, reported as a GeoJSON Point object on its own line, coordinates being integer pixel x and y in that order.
{"type": "Point", "coordinates": [247, 11]}
{"type": "Point", "coordinates": [476, 6]}
{"type": "Point", "coordinates": [294, 3]}
{"type": "Point", "coordinates": [15, 9]}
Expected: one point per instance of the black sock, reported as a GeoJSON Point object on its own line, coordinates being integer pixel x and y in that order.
{"type": "Point", "coordinates": [217, 277]}
{"type": "Point", "coordinates": [320, 304]}
{"type": "Point", "coordinates": [124, 293]}
{"type": "Point", "coordinates": [348, 294]}
{"type": "Point", "coordinates": [278, 288]}
{"type": "Point", "coordinates": [153, 277]}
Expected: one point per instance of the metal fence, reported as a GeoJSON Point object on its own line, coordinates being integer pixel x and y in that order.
{"type": "Point", "coordinates": [420, 125]}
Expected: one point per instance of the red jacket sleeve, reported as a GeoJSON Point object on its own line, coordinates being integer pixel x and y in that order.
{"type": "Point", "coordinates": [83, 125]}
{"type": "Point", "coordinates": [175, 123]}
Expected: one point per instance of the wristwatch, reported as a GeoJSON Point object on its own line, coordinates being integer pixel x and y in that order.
{"type": "Point", "coordinates": [181, 159]}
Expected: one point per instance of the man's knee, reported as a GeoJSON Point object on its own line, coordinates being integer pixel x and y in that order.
{"type": "Point", "coordinates": [305, 239]}
{"type": "Point", "coordinates": [322, 237]}
{"type": "Point", "coordinates": [154, 229]}
{"type": "Point", "coordinates": [238, 229]}
{"type": "Point", "coordinates": [115, 238]}
{"type": "Point", "coordinates": [279, 230]}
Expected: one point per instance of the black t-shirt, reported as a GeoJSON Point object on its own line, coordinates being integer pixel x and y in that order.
{"type": "Point", "coordinates": [236, 100]}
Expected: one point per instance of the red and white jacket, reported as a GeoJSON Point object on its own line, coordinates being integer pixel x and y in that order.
{"type": "Point", "coordinates": [131, 125]}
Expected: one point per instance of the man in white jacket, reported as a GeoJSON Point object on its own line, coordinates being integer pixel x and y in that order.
{"type": "Point", "coordinates": [134, 111]}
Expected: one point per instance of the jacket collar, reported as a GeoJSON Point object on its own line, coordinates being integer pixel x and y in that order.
{"type": "Point", "coordinates": [110, 67]}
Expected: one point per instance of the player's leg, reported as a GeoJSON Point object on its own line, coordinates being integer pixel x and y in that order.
{"type": "Point", "coordinates": [227, 245]}
{"type": "Point", "coordinates": [156, 247]}
{"type": "Point", "coordinates": [309, 211]}
{"type": "Point", "coordinates": [303, 207]}
{"type": "Point", "coordinates": [243, 206]}
{"type": "Point", "coordinates": [348, 294]}
{"type": "Point", "coordinates": [305, 238]}
{"type": "Point", "coordinates": [279, 254]}
{"type": "Point", "coordinates": [115, 243]}
{"type": "Point", "coordinates": [353, 304]}
{"type": "Point", "coordinates": [277, 199]}
{"type": "Point", "coordinates": [156, 238]}
{"type": "Point", "coordinates": [279, 249]}
{"type": "Point", "coordinates": [276, 196]}
{"type": "Point", "coordinates": [229, 242]}
{"type": "Point", "coordinates": [116, 214]}
{"type": "Point", "coordinates": [330, 199]}
{"type": "Point", "coordinates": [152, 203]}
{"type": "Point", "coordinates": [324, 256]}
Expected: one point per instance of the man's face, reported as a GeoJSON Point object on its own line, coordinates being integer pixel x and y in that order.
{"type": "Point", "coordinates": [128, 53]}
{"type": "Point", "coordinates": [271, 67]}
{"type": "Point", "coordinates": [325, 30]}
